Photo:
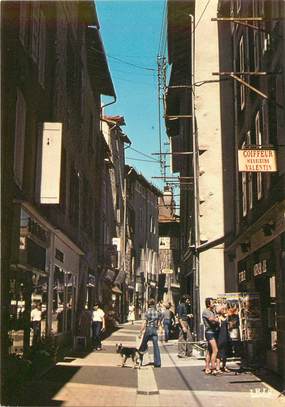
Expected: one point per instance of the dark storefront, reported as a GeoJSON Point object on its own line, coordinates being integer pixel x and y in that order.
{"type": "Point", "coordinates": [257, 273]}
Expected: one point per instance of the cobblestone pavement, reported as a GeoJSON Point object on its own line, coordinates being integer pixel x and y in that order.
{"type": "Point", "coordinates": [96, 379]}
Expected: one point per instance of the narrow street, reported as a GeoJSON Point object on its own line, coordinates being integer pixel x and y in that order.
{"type": "Point", "coordinates": [96, 379]}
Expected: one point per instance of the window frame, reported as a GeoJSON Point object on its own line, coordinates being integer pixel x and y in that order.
{"type": "Point", "coordinates": [258, 142]}
{"type": "Point", "coordinates": [242, 69]}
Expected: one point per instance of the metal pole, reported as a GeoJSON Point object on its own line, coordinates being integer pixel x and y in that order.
{"type": "Point", "coordinates": [124, 242]}
{"type": "Point", "coordinates": [196, 269]}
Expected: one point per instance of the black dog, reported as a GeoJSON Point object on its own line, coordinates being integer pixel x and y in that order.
{"type": "Point", "coordinates": [127, 352]}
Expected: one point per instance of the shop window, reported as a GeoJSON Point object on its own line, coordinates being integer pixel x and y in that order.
{"type": "Point", "coordinates": [20, 131]}
{"type": "Point", "coordinates": [258, 141]}
{"type": "Point", "coordinates": [63, 300]}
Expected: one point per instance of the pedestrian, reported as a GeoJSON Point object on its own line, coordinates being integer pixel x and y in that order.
{"type": "Point", "coordinates": [185, 338]}
{"type": "Point", "coordinates": [131, 315]}
{"type": "Point", "coordinates": [36, 318]}
{"type": "Point", "coordinates": [211, 324]}
{"type": "Point", "coordinates": [160, 306]}
{"type": "Point", "coordinates": [98, 326]}
{"type": "Point", "coordinates": [152, 321]}
{"type": "Point", "coordinates": [167, 321]}
{"type": "Point", "coordinates": [223, 337]}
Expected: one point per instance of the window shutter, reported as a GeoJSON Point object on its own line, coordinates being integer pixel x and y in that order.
{"type": "Point", "coordinates": [50, 163]}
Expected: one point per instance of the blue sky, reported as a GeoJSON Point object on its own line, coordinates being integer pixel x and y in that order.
{"type": "Point", "coordinates": [131, 32]}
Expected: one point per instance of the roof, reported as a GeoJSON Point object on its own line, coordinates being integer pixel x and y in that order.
{"type": "Point", "coordinates": [97, 63]}
{"type": "Point", "coordinates": [132, 172]}
{"type": "Point", "coordinates": [87, 12]}
{"type": "Point", "coordinates": [119, 120]}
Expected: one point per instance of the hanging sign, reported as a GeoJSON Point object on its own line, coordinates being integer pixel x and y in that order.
{"type": "Point", "coordinates": [257, 160]}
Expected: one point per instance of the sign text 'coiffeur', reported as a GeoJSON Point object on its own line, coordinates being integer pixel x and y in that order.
{"type": "Point", "coordinates": [257, 160]}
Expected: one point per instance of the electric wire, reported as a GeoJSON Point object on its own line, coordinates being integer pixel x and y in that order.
{"type": "Point", "coordinates": [203, 12]}
{"type": "Point", "coordinates": [140, 159]}
{"type": "Point", "coordinates": [140, 152]}
{"type": "Point", "coordinates": [121, 60]}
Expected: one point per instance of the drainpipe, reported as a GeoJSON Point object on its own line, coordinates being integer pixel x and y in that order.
{"type": "Point", "coordinates": [195, 163]}
{"type": "Point", "coordinates": [103, 107]}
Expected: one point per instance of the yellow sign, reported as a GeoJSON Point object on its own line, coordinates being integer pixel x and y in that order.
{"type": "Point", "coordinates": [167, 271]}
{"type": "Point", "coordinates": [258, 160]}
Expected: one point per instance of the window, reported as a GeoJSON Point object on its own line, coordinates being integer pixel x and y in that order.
{"type": "Point", "coordinates": [91, 134]}
{"type": "Point", "coordinates": [42, 49]}
{"type": "Point", "coordinates": [24, 26]}
{"type": "Point", "coordinates": [244, 189]}
{"type": "Point", "coordinates": [19, 146]}
{"type": "Point", "coordinates": [249, 176]}
{"type": "Point", "coordinates": [63, 180]}
{"type": "Point", "coordinates": [35, 30]}
{"type": "Point", "coordinates": [238, 6]}
{"type": "Point", "coordinates": [74, 196]}
{"type": "Point", "coordinates": [242, 69]}
{"type": "Point", "coordinates": [141, 217]}
{"type": "Point", "coordinates": [151, 224]}
{"type": "Point", "coordinates": [257, 49]}
{"type": "Point", "coordinates": [73, 74]}
{"type": "Point", "coordinates": [258, 141]}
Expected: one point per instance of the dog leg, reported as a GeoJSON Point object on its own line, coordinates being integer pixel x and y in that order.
{"type": "Point", "coordinates": [124, 359]}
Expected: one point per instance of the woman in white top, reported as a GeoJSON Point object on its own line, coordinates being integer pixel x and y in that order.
{"type": "Point", "coordinates": [98, 326]}
{"type": "Point", "coordinates": [131, 316]}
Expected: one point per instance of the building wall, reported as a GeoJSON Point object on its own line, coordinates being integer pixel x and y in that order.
{"type": "Point", "coordinates": [142, 203]}
{"type": "Point", "coordinates": [47, 80]}
{"type": "Point", "coordinates": [207, 109]}
{"type": "Point", "coordinates": [256, 245]}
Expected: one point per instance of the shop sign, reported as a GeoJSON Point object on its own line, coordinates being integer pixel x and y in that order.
{"type": "Point", "coordinates": [242, 276]}
{"type": "Point", "coordinates": [258, 160]}
{"type": "Point", "coordinates": [260, 268]}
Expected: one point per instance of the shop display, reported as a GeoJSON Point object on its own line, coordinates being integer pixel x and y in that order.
{"type": "Point", "coordinates": [244, 315]}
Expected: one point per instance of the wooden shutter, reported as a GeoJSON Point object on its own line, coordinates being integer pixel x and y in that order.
{"type": "Point", "coordinates": [50, 163]}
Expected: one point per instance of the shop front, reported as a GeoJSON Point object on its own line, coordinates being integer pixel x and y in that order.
{"type": "Point", "coordinates": [257, 273]}
{"type": "Point", "coordinates": [28, 279]}
{"type": "Point", "coordinates": [64, 282]}
{"type": "Point", "coordinates": [43, 280]}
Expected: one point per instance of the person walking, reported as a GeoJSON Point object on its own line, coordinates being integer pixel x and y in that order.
{"type": "Point", "coordinates": [98, 326]}
{"type": "Point", "coordinates": [211, 324]}
{"type": "Point", "coordinates": [36, 318]}
{"type": "Point", "coordinates": [167, 321]}
{"type": "Point", "coordinates": [152, 321]}
{"type": "Point", "coordinates": [223, 338]}
{"type": "Point", "coordinates": [185, 338]}
{"type": "Point", "coordinates": [131, 315]}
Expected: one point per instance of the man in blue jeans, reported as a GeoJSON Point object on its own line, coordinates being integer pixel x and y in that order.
{"type": "Point", "coordinates": [152, 320]}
